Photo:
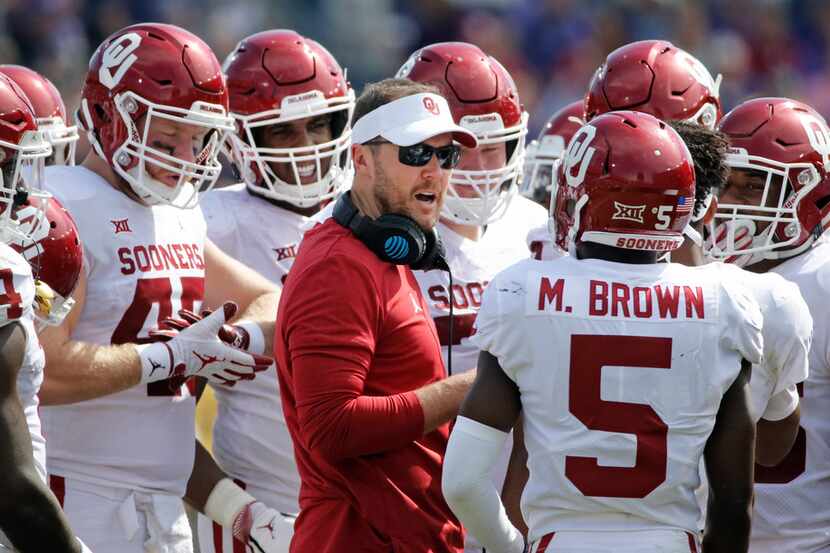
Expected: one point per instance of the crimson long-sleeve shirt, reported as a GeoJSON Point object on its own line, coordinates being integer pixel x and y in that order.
{"type": "Point", "coordinates": [353, 341]}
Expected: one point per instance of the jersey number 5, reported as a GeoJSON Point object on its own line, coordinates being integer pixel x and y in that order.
{"type": "Point", "coordinates": [589, 354]}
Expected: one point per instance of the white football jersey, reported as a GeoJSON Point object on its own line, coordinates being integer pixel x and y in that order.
{"type": "Point", "coordinates": [621, 370]}
{"type": "Point", "coordinates": [473, 264]}
{"type": "Point", "coordinates": [787, 332]}
{"type": "Point", "coordinates": [792, 500]}
{"type": "Point", "coordinates": [17, 304]}
{"type": "Point", "coordinates": [250, 438]}
{"type": "Point", "coordinates": [142, 265]}
{"type": "Point", "coordinates": [541, 244]}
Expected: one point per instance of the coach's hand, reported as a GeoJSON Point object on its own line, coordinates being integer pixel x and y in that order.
{"type": "Point", "coordinates": [199, 349]}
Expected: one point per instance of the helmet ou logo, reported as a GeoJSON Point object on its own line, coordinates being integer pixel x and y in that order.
{"type": "Point", "coordinates": [819, 137]}
{"type": "Point", "coordinates": [578, 155]}
{"type": "Point", "coordinates": [117, 59]}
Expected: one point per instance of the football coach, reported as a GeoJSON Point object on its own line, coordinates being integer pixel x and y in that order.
{"type": "Point", "coordinates": [363, 384]}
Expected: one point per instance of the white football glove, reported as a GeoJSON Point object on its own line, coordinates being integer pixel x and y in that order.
{"type": "Point", "coordinates": [84, 548]}
{"type": "Point", "coordinates": [198, 351]}
{"type": "Point", "coordinates": [262, 529]}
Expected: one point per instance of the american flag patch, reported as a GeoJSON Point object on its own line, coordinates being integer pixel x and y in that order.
{"type": "Point", "coordinates": [685, 203]}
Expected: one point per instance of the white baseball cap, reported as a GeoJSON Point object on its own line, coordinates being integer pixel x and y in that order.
{"type": "Point", "coordinates": [411, 120]}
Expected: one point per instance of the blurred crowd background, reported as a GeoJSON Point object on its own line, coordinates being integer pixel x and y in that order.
{"type": "Point", "coordinates": [552, 47]}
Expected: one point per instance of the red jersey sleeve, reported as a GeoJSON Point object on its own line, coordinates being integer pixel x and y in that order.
{"type": "Point", "coordinates": [332, 323]}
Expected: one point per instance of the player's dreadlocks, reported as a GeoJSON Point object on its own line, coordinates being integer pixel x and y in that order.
{"type": "Point", "coordinates": [708, 148]}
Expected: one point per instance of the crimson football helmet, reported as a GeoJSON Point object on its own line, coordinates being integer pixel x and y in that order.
{"type": "Point", "coordinates": [50, 112]}
{"type": "Point", "coordinates": [656, 77]}
{"type": "Point", "coordinates": [23, 151]}
{"type": "Point", "coordinates": [626, 180]}
{"type": "Point", "coordinates": [149, 71]}
{"type": "Point", "coordinates": [483, 99]}
{"type": "Point", "coordinates": [788, 144]}
{"type": "Point", "coordinates": [53, 249]}
{"type": "Point", "coordinates": [551, 144]}
{"type": "Point", "coordinates": [279, 76]}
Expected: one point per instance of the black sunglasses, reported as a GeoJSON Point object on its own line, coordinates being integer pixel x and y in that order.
{"type": "Point", "coordinates": [419, 154]}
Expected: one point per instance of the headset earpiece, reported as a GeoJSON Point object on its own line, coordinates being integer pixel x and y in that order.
{"type": "Point", "coordinates": [392, 237]}
{"type": "Point", "coordinates": [434, 254]}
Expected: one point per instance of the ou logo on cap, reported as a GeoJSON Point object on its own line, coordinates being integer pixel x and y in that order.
{"type": "Point", "coordinates": [431, 106]}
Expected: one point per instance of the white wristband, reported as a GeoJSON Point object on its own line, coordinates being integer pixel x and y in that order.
{"type": "Point", "coordinates": [226, 501]}
{"type": "Point", "coordinates": [156, 361]}
{"type": "Point", "coordinates": [256, 338]}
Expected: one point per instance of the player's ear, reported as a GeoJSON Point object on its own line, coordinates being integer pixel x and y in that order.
{"type": "Point", "coordinates": [363, 160]}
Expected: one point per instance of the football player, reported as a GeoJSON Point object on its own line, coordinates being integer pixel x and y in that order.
{"type": "Point", "coordinates": [551, 144]}
{"type": "Point", "coordinates": [770, 216]}
{"type": "Point", "coordinates": [788, 325]}
{"type": "Point", "coordinates": [649, 76]}
{"type": "Point", "coordinates": [121, 419]}
{"type": "Point", "coordinates": [595, 349]}
{"type": "Point", "coordinates": [484, 222]}
{"type": "Point", "coordinates": [542, 155]}
{"type": "Point", "coordinates": [30, 517]}
{"type": "Point", "coordinates": [50, 112]}
{"type": "Point", "coordinates": [292, 106]}
{"type": "Point", "coordinates": [656, 77]}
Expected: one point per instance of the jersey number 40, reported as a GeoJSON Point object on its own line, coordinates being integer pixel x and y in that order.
{"type": "Point", "coordinates": [161, 297]}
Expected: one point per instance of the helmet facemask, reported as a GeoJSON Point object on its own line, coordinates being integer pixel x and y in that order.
{"type": "Point", "coordinates": [63, 138]}
{"type": "Point", "coordinates": [482, 197]}
{"type": "Point", "coordinates": [541, 154]}
{"type": "Point", "coordinates": [330, 161]}
{"type": "Point", "coordinates": [768, 228]}
{"type": "Point", "coordinates": [21, 179]}
{"type": "Point", "coordinates": [560, 209]}
{"type": "Point", "coordinates": [133, 157]}
{"type": "Point", "coordinates": [540, 157]}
